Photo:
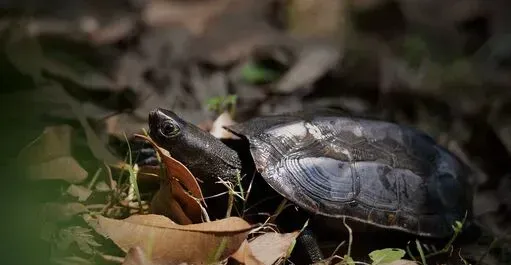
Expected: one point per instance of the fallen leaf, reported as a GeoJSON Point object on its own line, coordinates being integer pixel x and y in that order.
{"type": "Point", "coordinates": [96, 145]}
{"type": "Point", "coordinates": [172, 190]}
{"type": "Point", "coordinates": [115, 31]}
{"type": "Point", "coordinates": [245, 256]}
{"type": "Point", "coordinates": [101, 186]}
{"type": "Point", "coordinates": [194, 16]}
{"type": "Point", "coordinates": [266, 249]}
{"type": "Point", "coordinates": [72, 260]}
{"type": "Point", "coordinates": [312, 64]}
{"type": "Point", "coordinates": [316, 18]}
{"type": "Point", "coordinates": [62, 168]}
{"type": "Point", "coordinates": [236, 49]}
{"type": "Point", "coordinates": [136, 256]}
{"type": "Point", "coordinates": [24, 51]}
{"type": "Point", "coordinates": [270, 247]}
{"type": "Point", "coordinates": [168, 243]}
{"type": "Point", "coordinates": [165, 203]}
{"type": "Point", "coordinates": [61, 212]}
{"type": "Point", "coordinates": [80, 192]}
{"type": "Point", "coordinates": [217, 129]}
{"type": "Point", "coordinates": [54, 142]}
{"type": "Point", "coordinates": [485, 202]}
{"type": "Point", "coordinates": [182, 173]}
{"type": "Point", "coordinates": [81, 236]}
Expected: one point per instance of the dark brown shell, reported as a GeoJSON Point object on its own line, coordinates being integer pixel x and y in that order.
{"type": "Point", "coordinates": [376, 172]}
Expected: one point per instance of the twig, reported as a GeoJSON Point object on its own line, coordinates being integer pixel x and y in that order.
{"type": "Point", "coordinates": [94, 178]}
{"type": "Point", "coordinates": [280, 208]}
{"type": "Point", "coordinates": [421, 253]}
{"type": "Point", "coordinates": [230, 204]}
{"type": "Point", "coordinates": [491, 246]}
{"type": "Point", "coordinates": [248, 193]}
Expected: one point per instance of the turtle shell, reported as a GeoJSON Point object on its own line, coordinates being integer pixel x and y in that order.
{"type": "Point", "coordinates": [371, 171]}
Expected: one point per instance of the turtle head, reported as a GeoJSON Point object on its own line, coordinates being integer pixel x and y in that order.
{"type": "Point", "coordinates": [166, 128]}
{"type": "Point", "coordinates": [204, 155]}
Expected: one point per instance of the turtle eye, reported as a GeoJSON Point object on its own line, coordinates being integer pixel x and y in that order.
{"type": "Point", "coordinates": [169, 129]}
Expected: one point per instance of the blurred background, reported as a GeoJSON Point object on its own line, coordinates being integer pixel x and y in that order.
{"type": "Point", "coordinates": [441, 66]}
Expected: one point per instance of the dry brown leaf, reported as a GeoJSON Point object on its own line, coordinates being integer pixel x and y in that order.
{"type": "Point", "coordinates": [49, 156]}
{"type": "Point", "coordinates": [113, 32]}
{"type": "Point", "coordinates": [173, 190]}
{"type": "Point", "coordinates": [80, 192]}
{"type": "Point", "coordinates": [54, 142]}
{"type": "Point", "coordinates": [265, 249]}
{"type": "Point", "coordinates": [217, 128]}
{"type": "Point", "coordinates": [195, 16]}
{"type": "Point", "coordinates": [170, 243]}
{"type": "Point", "coordinates": [62, 168]}
{"type": "Point", "coordinates": [316, 18]}
{"type": "Point", "coordinates": [61, 212]}
{"type": "Point", "coordinates": [136, 256]}
{"type": "Point", "coordinates": [245, 256]}
{"type": "Point", "coordinates": [95, 143]}
{"type": "Point", "coordinates": [165, 203]}
{"type": "Point", "coordinates": [177, 169]}
{"type": "Point", "coordinates": [270, 247]}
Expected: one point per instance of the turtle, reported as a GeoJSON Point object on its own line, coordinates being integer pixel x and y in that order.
{"type": "Point", "coordinates": [334, 165]}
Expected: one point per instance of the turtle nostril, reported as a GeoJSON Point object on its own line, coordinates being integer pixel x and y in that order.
{"type": "Point", "coordinates": [153, 115]}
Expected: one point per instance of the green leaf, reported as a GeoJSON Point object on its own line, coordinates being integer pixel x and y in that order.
{"type": "Point", "coordinates": [222, 103]}
{"type": "Point", "coordinates": [386, 255]}
{"type": "Point", "coordinates": [254, 73]}
{"type": "Point", "coordinates": [348, 260]}
{"type": "Point", "coordinates": [459, 225]}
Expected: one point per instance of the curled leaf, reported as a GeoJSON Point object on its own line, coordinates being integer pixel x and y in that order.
{"type": "Point", "coordinates": [172, 200]}
{"type": "Point", "coordinates": [168, 243]}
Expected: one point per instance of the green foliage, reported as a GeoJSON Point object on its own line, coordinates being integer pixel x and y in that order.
{"type": "Point", "coordinates": [221, 104]}
{"type": "Point", "coordinates": [133, 173]}
{"type": "Point", "coordinates": [386, 255]}
{"type": "Point", "coordinates": [415, 50]}
{"type": "Point", "coordinates": [457, 227]}
{"type": "Point", "coordinates": [253, 73]}
{"type": "Point", "coordinates": [347, 260]}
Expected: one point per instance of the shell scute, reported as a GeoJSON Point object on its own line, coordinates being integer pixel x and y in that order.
{"type": "Point", "coordinates": [372, 171]}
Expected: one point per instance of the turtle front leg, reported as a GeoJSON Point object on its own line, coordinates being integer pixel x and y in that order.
{"type": "Point", "coordinates": [308, 240]}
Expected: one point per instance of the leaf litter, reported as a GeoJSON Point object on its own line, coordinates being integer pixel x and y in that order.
{"type": "Point", "coordinates": [266, 249]}
{"type": "Point", "coordinates": [175, 232]}
{"type": "Point", "coordinates": [166, 242]}
{"type": "Point", "coordinates": [49, 156]}
{"type": "Point", "coordinates": [136, 251]}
